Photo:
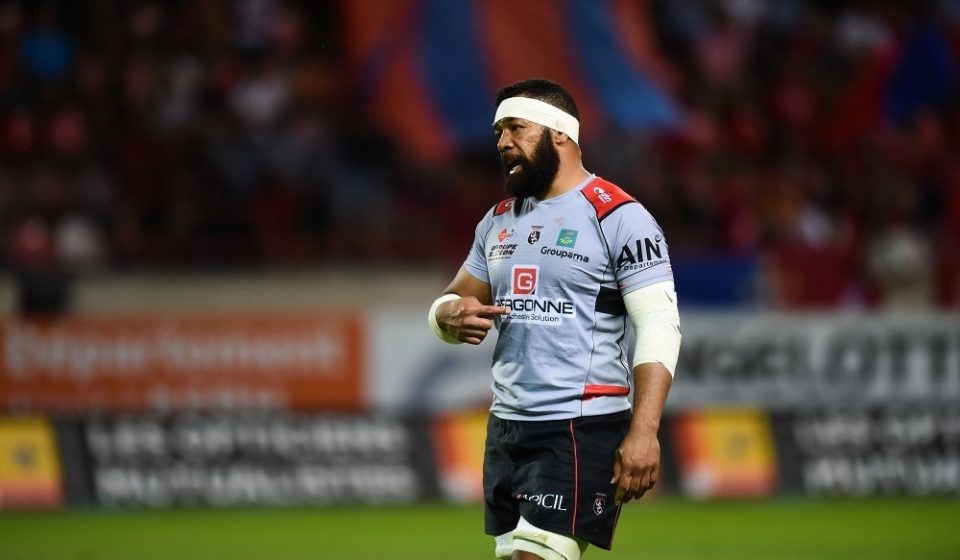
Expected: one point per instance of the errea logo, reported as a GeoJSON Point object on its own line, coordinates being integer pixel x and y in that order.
{"type": "Point", "coordinates": [525, 279]}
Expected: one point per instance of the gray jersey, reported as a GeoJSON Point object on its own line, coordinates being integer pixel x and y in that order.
{"type": "Point", "coordinates": [561, 266]}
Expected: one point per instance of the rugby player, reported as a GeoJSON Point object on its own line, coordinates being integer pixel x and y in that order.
{"type": "Point", "coordinates": [559, 268]}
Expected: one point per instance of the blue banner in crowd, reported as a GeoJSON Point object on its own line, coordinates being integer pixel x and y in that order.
{"type": "Point", "coordinates": [427, 71]}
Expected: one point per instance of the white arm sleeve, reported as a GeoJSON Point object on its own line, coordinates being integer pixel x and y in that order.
{"type": "Point", "coordinates": [656, 320]}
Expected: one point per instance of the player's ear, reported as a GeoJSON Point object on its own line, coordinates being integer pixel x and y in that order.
{"type": "Point", "coordinates": [559, 138]}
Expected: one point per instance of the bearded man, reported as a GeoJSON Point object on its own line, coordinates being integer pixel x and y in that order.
{"type": "Point", "coordinates": [558, 268]}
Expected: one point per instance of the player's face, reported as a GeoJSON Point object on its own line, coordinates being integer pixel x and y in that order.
{"type": "Point", "coordinates": [530, 161]}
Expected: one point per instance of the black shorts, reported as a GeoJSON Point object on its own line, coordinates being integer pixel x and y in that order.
{"type": "Point", "coordinates": [555, 473]}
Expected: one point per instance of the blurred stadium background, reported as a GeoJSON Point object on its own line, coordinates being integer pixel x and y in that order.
{"type": "Point", "coordinates": [221, 223]}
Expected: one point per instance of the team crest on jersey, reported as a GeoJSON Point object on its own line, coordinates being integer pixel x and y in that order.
{"type": "Point", "coordinates": [567, 238]}
{"type": "Point", "coordinates": [534, 235]}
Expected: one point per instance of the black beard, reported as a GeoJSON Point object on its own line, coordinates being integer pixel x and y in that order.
{"type": "Point", "coordinates": [536, 173]}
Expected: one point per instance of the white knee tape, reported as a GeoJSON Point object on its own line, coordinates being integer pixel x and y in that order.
{"type": "Point", "coordinates": [547, 545]}
{"type": "Point", "coordinates": [540, 550]}
{"type": "Point", "coordinates": [503, 546]}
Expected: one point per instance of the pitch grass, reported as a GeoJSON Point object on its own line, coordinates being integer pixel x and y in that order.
{"type": "Point", "coordinates": [657, 529]}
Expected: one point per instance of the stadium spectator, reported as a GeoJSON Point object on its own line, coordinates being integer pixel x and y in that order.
{"type": "Point", "coordinates": [172, 122]}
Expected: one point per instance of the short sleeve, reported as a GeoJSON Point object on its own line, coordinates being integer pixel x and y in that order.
{"type": "Point", "coordinates": [476, 262]}
{"type": "Point", "coordinates": [637, 248]}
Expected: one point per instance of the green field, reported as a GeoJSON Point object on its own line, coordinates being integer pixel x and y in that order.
{"type": "Point", "coordinates": [658, 529]}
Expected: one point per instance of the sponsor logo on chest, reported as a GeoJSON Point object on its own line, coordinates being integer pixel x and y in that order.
{"type": "Point", "coordinates": [502, 251]}
{"type": "Point", "coordinates": [525, 306]}
{"type": "Point", "coordinates": [567, 238]}
{"type": "Point", "coordinates": [525, 280]}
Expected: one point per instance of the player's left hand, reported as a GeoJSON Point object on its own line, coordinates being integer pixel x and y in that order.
{"type": "Point", "coordinates": [636, 465]}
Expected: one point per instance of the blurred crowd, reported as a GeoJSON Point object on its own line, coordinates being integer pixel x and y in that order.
{"type": "Point", "coordinates": [820, 140]}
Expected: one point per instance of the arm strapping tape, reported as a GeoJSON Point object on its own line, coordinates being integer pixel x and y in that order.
{"type": "Point", "coordinates": [432, 320]}
{"type": "Point", "coordinates": [656, 320]}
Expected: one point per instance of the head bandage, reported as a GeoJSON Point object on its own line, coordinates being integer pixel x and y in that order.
{"type": "Point", "coordinates": [541, 113]}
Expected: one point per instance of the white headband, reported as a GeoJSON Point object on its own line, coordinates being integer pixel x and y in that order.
{"type": "Point", "coordinates": [541, 113]}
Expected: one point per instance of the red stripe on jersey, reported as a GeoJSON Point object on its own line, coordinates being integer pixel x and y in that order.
{"type": "Point", "coordinates": [605, 196]}
{"type": "Point", "coordinates": [504, 206]}
{"type": "Point", "coordinates": [591, 391]}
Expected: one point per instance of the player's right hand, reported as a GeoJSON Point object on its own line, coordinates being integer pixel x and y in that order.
{"type": "Point", "coordinates": [467, 319]}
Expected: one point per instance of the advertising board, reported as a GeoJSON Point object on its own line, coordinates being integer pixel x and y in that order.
{"type": "Point", "coordinates": [170, 362]}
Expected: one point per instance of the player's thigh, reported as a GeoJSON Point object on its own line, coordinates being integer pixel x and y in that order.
{"type": "Point", "coordinates": [501, 511]}
{"type": "Point", "coordinates": [597, 439]}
